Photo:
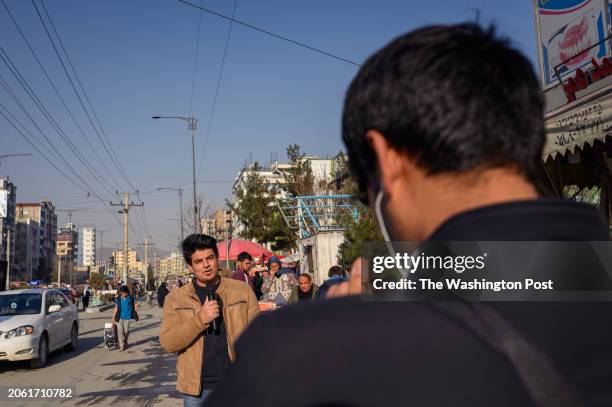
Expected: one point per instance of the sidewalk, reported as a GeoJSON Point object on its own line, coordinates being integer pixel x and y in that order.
{"type": "Point", "coordinates": [143, 375]}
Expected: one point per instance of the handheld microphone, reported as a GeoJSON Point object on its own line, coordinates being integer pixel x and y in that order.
{"type": "Point", "coordinates": [214, 325]}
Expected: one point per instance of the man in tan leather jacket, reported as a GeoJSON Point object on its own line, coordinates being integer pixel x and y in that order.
{"type": "Point", "coordinates": [203, 319]}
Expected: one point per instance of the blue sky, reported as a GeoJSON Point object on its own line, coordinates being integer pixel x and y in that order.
{"type": "Point", "coordinates": [136, 58]}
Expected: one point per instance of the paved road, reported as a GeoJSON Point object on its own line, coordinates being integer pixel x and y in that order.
{"type": "Point", "coordinates": [143, 375]}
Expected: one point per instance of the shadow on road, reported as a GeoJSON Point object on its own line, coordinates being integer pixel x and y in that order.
{"type": "Point", "coordinates": [139, 386]}
{"type": "Point", "coordinates": [59, 356]}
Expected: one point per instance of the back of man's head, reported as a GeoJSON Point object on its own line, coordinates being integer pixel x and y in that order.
{"type": "Point", "coordinates": [336, 271]}
{"type": "Point", "coordinates": [454, 98]}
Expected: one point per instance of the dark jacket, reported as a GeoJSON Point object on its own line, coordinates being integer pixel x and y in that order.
{"type": "Point", "coordinates": [412, 353]}
{"type": "Point", "coordinates": [162, 291]}
{"type": "Point", "coordinates": [295, 294]}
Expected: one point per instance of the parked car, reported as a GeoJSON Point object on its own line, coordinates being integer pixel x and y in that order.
{"type": "Point", "coordinates": [36, 322]}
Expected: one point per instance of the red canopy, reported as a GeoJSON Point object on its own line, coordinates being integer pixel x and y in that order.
{"type": "Point", "coordinates": [237, 246]}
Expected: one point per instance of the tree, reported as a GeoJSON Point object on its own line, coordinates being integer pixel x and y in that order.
{"type": "Point", "coordinates": [299, 180]}
{"type": "Point", "coordinates": [358, 232]}
{"type": "Point", "coordinates": [256, 209]}
{"type": "Point", "coordinates": [203, 211]}
{"type": "Point", "coordinates": [96, 281]}
{"type": "Point", "coordinates": [252, 205]}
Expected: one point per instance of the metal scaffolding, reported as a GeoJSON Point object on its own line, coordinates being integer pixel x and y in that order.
{"type": "Point", "coordinates": [319, 213]}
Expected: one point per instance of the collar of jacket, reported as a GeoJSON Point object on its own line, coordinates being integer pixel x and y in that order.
{"type": "Point", "coordinates": [220, 290]}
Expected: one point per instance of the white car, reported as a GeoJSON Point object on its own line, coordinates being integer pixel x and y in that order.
{"type": "Point", "coordinates": [35, 322]}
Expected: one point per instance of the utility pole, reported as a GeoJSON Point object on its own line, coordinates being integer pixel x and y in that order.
{"type": "Point", "coordinates": [8, 259]}
{"type": "Point", "coordinates": [193, 125]}
{"type": "Point", "coordinates": [228, 225]}
{"type": "Point", "coordinates": [70, 265]}
{"type": "Point", "coordinates": [155, 271]}
{"type": "Point", "coordinates": [126, 209]}
{"type": "Point", "coordinates": [146, 245]}
{"type": "Point", "coordinates": [59, 270]}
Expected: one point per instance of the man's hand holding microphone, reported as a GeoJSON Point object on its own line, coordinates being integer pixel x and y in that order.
{"type": "Point", "coordinates": [209, 311]}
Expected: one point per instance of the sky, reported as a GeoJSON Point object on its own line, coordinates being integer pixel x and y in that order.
{"type": "Point", "coordinates": [137, 58]}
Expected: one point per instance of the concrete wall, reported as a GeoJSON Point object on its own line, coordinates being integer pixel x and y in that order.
{"type": "Point", "coordinates": [324, 249]}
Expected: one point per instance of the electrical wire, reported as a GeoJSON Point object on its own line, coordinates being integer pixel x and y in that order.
{"type": "Point", "coordinates": [109, 149]}
{"type": "Point", "coordinates": [214, 105]}
{"type": "Point", "coordinates": [45, 112]}
{"type": "Point", "coordinates": [57, 91]}
{"type": "Point", "coordinates": [329, 54]}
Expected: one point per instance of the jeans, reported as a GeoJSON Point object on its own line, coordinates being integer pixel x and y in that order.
{"type": "Point", "coordinates": [193, 401]}
{"type": "Point", "coordinates": [123, 331]}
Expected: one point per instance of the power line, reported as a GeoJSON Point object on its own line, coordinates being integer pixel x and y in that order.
{"type": "Point", "coordinates": [2, 108]}
{"type": "Point", "coordinates": [214, 105]}
{"type": "Point", "coordinates": [193, 78]}
{"type": "Point", "coordinates": [112, 156]}
{"type": "Point", "coordinates": [329, 54]}
{"type": "Point", "coordinates": [8, 89]}
{"type": "Point", "coordinates": [195, 61]}
{"type": "Point", "coordinates": [43, 109]}
{"type": "Point", "coordinates": [52, 164]}
{"type": "Point", "coordinates": [57, 91]}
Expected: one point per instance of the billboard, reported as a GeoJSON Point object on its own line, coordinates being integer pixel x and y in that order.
{"type": "Point", "coordinates": [3, 203]}
{"type": "Point", "coordinates": [570, 34]}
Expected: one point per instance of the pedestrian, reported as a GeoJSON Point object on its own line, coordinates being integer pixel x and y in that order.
{"type": "Point", "coordinates": [258, 281]}
{"type": "Point", "coordinates": [244, 261]}
{"type": "Point", "coordinates": [444, 129]}
{"type": "Point", "coordinates": [125, 310]}
{"type": "Point", "coordinates": [305, 290]}
{"type": "Point", "coordinates": [85, 299]}
{"type": "Point", "coordinates": [162, 292]}
{"type": "Point", "coordinates": [202, 320]}
{"type": "Point", "coordinates": [277, 287]}
{"type": "Point", "coordinates": [336, 275]}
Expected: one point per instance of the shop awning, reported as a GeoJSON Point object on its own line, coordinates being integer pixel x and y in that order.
{"type": "Point", "coordinates": [581, 122]}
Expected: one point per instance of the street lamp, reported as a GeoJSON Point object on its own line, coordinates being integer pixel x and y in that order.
{"type": "Point", "coordinates": [192, 124]}
{"type": "Point", "coordinates": [180, 194]}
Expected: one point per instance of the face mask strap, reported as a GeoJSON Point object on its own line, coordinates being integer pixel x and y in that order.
{"type": "Point", "coordinates": [379, 216]}
{"type": "Point", "coordinates": [383, 228]}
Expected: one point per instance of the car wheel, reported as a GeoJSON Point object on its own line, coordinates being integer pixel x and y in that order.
{"type": "Point", "coordinates": [74, 337]}
{"type": "Point", "coordinates": [43, 353]}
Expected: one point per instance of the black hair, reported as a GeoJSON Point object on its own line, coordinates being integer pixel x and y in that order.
{"type": "Point", "coordinates": [336, 271]}
{"type": "Point", "coordinates": [124, 289]}
{"type": "Point", "coordinates": [454, 98]}
{"type": "Point", "coordinates": [198, 241]}
{"type": "Point", "coordinates": [244, 256]}
{"type": "Point", "coordinates": [308, 276]}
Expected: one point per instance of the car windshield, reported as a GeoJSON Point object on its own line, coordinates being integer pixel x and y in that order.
{"type": "Point", "coordinates": [20, 304]}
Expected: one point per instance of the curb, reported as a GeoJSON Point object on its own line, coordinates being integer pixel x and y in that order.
{"type": "Point", "coordinates": [92, 310]}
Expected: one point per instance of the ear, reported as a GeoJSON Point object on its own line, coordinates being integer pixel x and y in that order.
{"type": "Point", "coordinates": [390, 162]}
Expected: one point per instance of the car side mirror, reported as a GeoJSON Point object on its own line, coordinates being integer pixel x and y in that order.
{"type": "Point", "coordinates": [54, 308]}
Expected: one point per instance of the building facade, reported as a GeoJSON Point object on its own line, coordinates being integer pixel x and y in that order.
{"type": "Point", "coordinates": [8, 201]}
{"type": "Point", "coordinates": [172, 266]}
{"type": "Point", "coordinates": [27, 251]}
{"type": "Point", "coordinates": [216, 224]}
{"type": "Point", "coordinates": [87, 246]}
{"type": "Point", "coordinates": [132, 260]}
{"type": "Point", "coordinates": [67, 251]}
{"type": "Point", "coordinates": [43, 214]}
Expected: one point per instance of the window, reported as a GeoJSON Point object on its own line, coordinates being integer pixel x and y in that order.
{"type": "Point", "coordinates": [61, 300]}
{"type": "Point", "coordinates": [50, 301]}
